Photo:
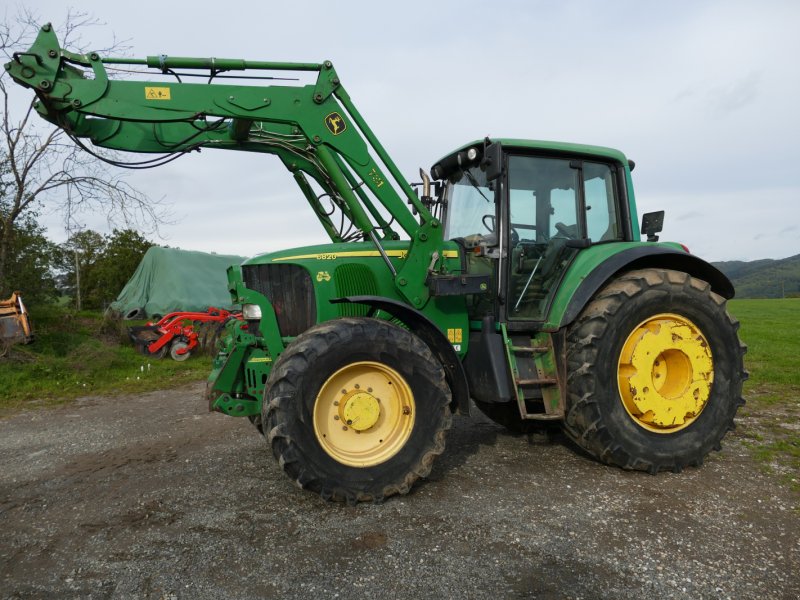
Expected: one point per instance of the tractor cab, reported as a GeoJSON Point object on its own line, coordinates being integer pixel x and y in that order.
{"type": "Point", "coordinates": [524, 220]}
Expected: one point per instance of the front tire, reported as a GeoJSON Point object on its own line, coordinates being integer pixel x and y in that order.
{"type": "Point", "coordinates": [655, 372]}
{"type": "Point", "coordinates": [356, 409]}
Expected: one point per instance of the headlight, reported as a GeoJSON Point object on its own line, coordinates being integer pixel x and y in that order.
{"type": "Point", "coordinates": [251, 312]}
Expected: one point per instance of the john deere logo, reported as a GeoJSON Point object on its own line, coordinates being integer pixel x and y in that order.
{"type": "Point", "coordinates": [335, 123]}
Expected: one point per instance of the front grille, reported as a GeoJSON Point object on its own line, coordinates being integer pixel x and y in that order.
{"type": "Point", "coordinates": [289, 289]}
{"type": "Point", "coordinates": [354, 280]}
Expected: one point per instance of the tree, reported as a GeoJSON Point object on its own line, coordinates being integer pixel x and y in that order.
{"type": "Point", "coordinates": [123, 252]}
{"type": "Point", "coordinates": [80, 255]}
{"type": "Point", "coordinates": [97, 267]}
{"type": "Point", "coordinates": [30, 258]}
{"type": "Point", "coordinates": [41, 167]}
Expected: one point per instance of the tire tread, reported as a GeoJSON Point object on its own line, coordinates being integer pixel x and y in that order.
{"type": "Point", "coordinates": [584, 422]}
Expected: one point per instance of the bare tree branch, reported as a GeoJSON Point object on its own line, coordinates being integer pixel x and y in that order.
{"type": "Point", "coordinates": [39, 167]}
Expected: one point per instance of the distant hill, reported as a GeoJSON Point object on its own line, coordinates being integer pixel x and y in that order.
{"type": "Point", "coordinates": [766, 278]}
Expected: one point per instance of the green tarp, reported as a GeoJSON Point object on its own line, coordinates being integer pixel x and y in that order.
{"type": "Point", "coordinates": [170, 280]}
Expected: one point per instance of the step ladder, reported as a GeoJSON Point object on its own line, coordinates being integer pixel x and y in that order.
{"type": "Point", "coordinates": [532, 361]}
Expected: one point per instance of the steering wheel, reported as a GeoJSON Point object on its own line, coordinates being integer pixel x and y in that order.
{"type": "Point", "coordinates": [489, 221]}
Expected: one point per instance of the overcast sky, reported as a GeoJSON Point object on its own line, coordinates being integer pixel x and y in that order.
{"type": "Point", "coordinates": [703, 95]}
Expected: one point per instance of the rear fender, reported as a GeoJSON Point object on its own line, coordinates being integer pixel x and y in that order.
{"type": "Point", "coordinates": [643, 257]}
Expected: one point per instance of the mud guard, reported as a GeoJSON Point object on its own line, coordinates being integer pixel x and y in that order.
{"type": "Point", "coordinates": [643, 257]}
{"type": "Point", "coordinates": [427, 331]}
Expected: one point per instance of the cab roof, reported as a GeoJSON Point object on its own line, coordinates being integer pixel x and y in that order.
{"type": "Point", "coordinates": [565, 147]}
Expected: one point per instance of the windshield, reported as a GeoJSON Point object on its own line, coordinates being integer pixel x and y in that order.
{"type": "Point", "coordinates": [470, 205]}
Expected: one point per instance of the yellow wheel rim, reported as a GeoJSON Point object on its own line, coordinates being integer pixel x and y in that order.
{"type": "Point", "coordinates": [364, 414]}
{"type": "Point", "coordinates": [665, 373]}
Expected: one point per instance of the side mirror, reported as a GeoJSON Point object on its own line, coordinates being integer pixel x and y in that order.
{"type": "Point", "coordinates": [652, 223]}
{"type": "Point", "coordinates": [492, 162]}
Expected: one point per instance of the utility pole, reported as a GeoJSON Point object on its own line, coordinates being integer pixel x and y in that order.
{"type": "Point", "coordinates": [72, 230]}
{"type": "Point", "coordinates": [77, 282]}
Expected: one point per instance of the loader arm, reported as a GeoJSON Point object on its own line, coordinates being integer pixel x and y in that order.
{"type": "Point", "coordinates": [315, 130]}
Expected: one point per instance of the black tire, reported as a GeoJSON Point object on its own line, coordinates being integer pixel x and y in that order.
{"type": "Point", "coordinates": [305, 371]}
{"type": "Point", "coordinates": [159, 354]}
{"type": "Point", "coordinates": [596, 417]}
{"type": "Point", "coordinates": [256, 421]}
{"type": "Point", "coordinates": [136, 313]}
{"type": "Point", "coordinates": [507, 415]}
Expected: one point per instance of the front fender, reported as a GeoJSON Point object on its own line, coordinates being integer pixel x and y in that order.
{"type": "Point", "coordinates": [431, 335]}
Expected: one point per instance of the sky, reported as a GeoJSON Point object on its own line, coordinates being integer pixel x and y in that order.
{"type": "Point", "coordinates": [702, 95]}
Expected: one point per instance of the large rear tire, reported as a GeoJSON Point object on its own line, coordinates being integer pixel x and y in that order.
{"type": "Point", "coordinates": [356, 409]}
{"type": "Point", "coordinates": [655, 372]}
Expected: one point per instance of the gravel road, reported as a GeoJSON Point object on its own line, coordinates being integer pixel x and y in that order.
{"type": "Point", "coordinates": [150, 496]}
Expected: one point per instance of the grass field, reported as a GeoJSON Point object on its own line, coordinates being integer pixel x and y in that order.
{"type": "Point", "coordinates": [770, 421]}
{"type": "Point", "coordinates": [80, 354]}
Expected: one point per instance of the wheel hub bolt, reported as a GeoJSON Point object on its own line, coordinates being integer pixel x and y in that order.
{"type": "Point", "coordinates": [406, 410]}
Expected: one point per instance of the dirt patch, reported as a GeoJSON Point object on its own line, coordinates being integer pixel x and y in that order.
{"type": "Point", "coordinates": [150, 496]}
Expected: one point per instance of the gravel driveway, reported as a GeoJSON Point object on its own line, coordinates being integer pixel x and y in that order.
{"type": "Point", "coordinates": [151, 496]}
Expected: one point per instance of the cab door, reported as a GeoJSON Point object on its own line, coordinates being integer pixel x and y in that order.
{"type": "Point", "coordinates": [556, 206]}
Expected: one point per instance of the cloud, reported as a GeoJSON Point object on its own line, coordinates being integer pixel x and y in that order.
{"type": "Point", "coordinates": [702, 96]}
{"type": "Point", "coordinates": [735, 95]}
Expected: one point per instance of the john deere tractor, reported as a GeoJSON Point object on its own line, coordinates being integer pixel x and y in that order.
{"type": "Point", "coordinates": [514, 277]}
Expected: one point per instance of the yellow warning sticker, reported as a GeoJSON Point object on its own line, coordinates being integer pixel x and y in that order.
{"type": "Point", "coordinates": [455, 336]}
{"type": "Point", "coordinates": [156, 93]}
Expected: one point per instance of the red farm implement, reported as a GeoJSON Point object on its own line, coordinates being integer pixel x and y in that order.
{"type": "Point", "coordinates": [179, 333]}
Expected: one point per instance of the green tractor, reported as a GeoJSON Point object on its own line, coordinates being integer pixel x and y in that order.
{"type": "Point", "coordinates": [512, 277]}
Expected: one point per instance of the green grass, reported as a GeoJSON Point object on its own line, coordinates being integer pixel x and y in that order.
{"type": "Point", "coordinates": [80, 354]}
{"type": "Point", "coordinates": [770, 330]}
{"type": "Point", "coordinates": [772, 413]}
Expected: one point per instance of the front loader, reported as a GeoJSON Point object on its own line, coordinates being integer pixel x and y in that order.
{"type": "Point", "coordinates": [513, 278]}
